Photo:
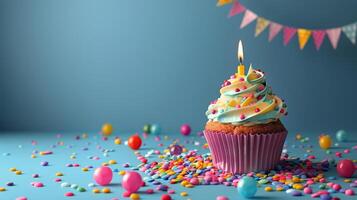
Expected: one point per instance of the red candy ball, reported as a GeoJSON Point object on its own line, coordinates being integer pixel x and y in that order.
{"type": "Point", "coordinates": [345, 168]}
{"type": "Point", "coordinates": [185, 129]}
{"type": "Point", "coordinates": [165, 197]}
{"type": "Point", "coordinates": [134, 142]}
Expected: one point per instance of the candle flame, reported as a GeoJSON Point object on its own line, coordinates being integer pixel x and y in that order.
{"type": "Point", "coordinates": [240, 52]}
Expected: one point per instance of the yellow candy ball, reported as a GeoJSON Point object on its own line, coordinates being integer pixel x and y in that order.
{"type": "Point", "coordinates": [325, 142]}
{"type": "Point", "coordinates": [112, 162]}
{"type": "Point", "coordinates": [134, 196]}
{"type": "Point", "coordinates": [18, 172]}
{"type": "Point", "coordinates": [84, 135]}
{"type": "Point", "coordinates": [107, 129]}
{"type": "Point", "coordinates": [117, 141]}
{"type": "Point", "coordinates": [59, 174]}
{"type": "Point", "coordinates": [183, 194]}
{"type": "Point", "coordinates": [298, 186]}
{"type": "Point", "coordinates": [12, 169]}
{"type": "Point", "coordinates": [298, 136]}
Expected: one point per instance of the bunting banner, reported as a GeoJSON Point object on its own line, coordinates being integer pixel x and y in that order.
{"type": "Point", "coordinates": [261, 25]}
{"type": "Point", "coordinates": [303, 34]}
{"type": "Point", "coordinates": [249, 17]}
{"type": "Point", "coordinates": [350, 31]}
{"type": "Point", "coordinates": [274, 29]}
{"type": "Point", "coordinates": [318, 36]}
{"type": "Point", "coordinates": [289, 33]}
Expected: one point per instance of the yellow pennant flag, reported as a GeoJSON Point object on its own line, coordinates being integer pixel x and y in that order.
{"type": "Point", "coordinates": [304, 36]}
{"type": "Point", "coordinates": [223, 2]}
{"type": "Point", "coordinates": [261, 25]}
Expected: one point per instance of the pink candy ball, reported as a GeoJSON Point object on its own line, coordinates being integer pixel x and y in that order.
{"type": "Point", "coordinates": [345, 168]}
{"type": "Point", "coordinates": [194, 181]}
{"type": "Point", "coordinates": [103, 175]}
{"type": "Point", "coordinates": [336, 187]}
{"type": "Point", "coordinates": [221, 198]}
{"type": "Point", "coordinates": [185, 129]}
{"type": "Point", "coordinates": [307, 190]}
{"type": "Point", "coordinates": [349, 192]}
{"type": "Point", "coordinates": [132, 181]}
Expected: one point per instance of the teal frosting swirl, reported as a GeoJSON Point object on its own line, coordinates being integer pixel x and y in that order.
{"type": "Point", "coordinates": [246, 100]}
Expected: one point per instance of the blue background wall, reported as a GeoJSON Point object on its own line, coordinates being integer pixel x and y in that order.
{"type": "Point", "coordinates": [72, 65]}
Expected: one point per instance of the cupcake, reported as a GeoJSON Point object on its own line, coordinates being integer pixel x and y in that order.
{"type": "Point", "coordinates": [243, 131]}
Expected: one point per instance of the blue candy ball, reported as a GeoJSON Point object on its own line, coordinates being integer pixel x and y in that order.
{"type": "Point", "coordinates": [155, 129]}
{"type": "Point", "coordinates": [341, 136]}
{"type": "Point", "coordinates": [247, 187]}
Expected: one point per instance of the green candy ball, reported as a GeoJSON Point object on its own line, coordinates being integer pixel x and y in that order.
{"type": "Point", "coordinates": [146, 128]}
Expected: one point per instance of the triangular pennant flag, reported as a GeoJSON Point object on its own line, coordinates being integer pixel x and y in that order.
{"type": "Point", "coordinates": [350, 32]}
{"type": "Point", "coordinates": [334, 35]}
{"type": "Point", "coordinates": [289, 33]}
{"type": "Point", "coordinates": [274, 29]}
{"type": "Point", "coordinates": [223, 2]}
{"type": "Point", "coordinates": [261, 25]}
{"type": "Point", "coordinates": [304, 36]}
{"type": "Point", "coordinates": [249, 16]}
{"type": "Point", "coordinates": [236, 9]}
{"type": "Point", "coordinates": [318, 36]}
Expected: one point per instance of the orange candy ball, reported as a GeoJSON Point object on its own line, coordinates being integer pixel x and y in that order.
{"type": "Point", "coordinates": [107, 129]}
{"type": "Point", "coordinates": [325, 142]}
{"type": "Point", "coordinates": [134, 142]}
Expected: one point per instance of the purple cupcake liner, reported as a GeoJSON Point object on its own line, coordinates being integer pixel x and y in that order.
{"type": "Point", "coordinates": [241, 153]}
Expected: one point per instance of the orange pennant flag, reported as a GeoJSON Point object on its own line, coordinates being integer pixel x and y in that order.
{"type": "Point", "coordinates": [223, 2]}
{"type": "Point", "coordinates": [304, 36]}
{"type": "Point", "coordinates": [261, 25]}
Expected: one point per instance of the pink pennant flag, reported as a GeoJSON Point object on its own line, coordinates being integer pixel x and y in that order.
{"type": "Point", "coordinates": [334, 35]}
{"type": "Point", "coordinates": [318, 36]}
{"type": "Point", "coordinates": [289, 33]}
{"type": "Point", "coordinates": [274, 29]}
{"type": "Point", "coordinates": [248, 18]}
{"type": "Point", "coordinates": [236, 9]}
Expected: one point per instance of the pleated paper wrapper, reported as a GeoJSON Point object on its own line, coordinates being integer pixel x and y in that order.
{"type": "Point", "coordinates": [242, 153]}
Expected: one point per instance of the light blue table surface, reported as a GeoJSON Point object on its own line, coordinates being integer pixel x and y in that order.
{"type": "Point", "coordinates": [20, 148]}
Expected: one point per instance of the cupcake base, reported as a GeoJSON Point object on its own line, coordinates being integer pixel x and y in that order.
{"type": "Point", "coordinates": [243, 153]}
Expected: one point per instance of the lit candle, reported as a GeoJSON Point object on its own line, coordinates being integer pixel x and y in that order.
{"type": "Point", "coordinates": [240, 67]}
